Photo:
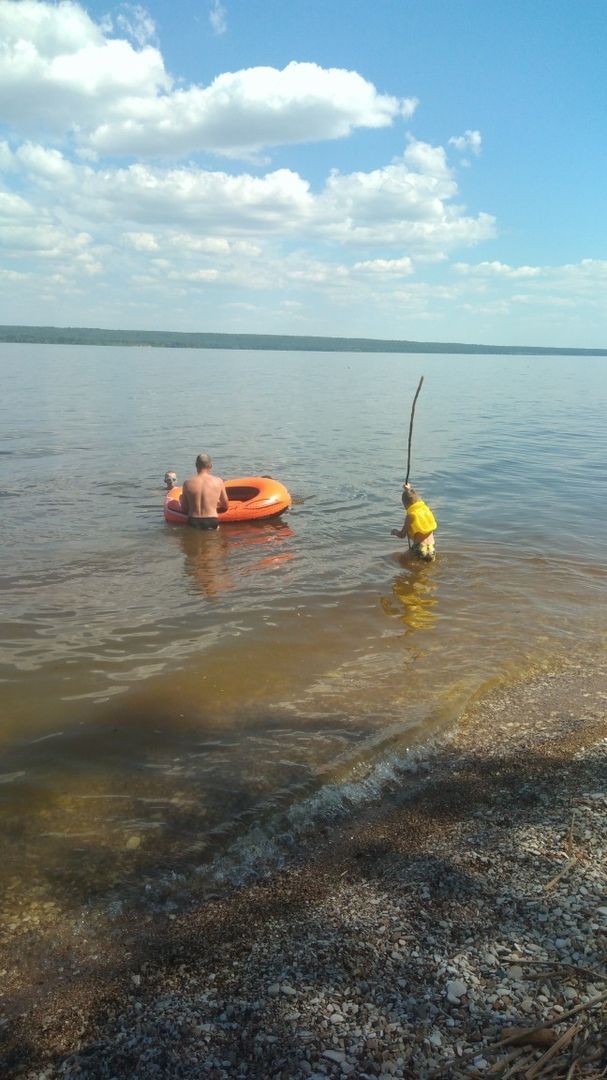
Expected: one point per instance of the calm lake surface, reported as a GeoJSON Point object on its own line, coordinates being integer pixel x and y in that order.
{"type": "Point", "coordinates": [179, 705]}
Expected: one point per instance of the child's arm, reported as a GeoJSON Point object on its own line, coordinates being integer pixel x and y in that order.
{"type": "Point", "coordinates": [401, 533]}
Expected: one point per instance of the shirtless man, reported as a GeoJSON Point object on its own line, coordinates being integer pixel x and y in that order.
{"type": "Point", "coordinates": [203, 496]}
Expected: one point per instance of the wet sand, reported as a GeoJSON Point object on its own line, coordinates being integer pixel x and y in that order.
{"type": "Point", "coordinates": [404, 942]}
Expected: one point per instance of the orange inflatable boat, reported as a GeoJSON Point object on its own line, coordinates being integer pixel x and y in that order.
{"type": "Point", "coordinates": [251, 498]}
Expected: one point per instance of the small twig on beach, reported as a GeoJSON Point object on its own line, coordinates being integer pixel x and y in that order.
{"type": "Point", "coordinates": [596, 1000]}
{"type": "Point", "coordinates": [570, 848]}
{"type": "Point", "coordinates": [573, 858]}
{"type": "Point", "coordinates": [555, 1070]}
{"type": "Point", "coordinates": [550, 1070]}
{"type": "Point", "coordinates": [560, 1044]}
{"type": "Point", "coordinates": [558, 964]}
{"type": "Point", "coordinates": [580, 1045]}
{"type": "Point", "coordinates": [561, 874]}
{"type": "Point", "coordinates": [499, 1066]}
{"type": "Point", "coordinates": [520, 1064]}
{"type": "Point", "coordinates": [556, 968]}
{"type": "Point", "coordinates": [559, 969]}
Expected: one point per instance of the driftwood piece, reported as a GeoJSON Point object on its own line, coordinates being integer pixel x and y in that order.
{"type": "Point", "coordinates": [520, 1036]}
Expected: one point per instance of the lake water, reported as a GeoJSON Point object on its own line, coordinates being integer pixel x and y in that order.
{"type": "Point", "coordinates": [178, 705]}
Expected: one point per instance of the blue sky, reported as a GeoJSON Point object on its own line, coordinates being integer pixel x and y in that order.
{"type": "Point", "coordinates": [420, 169]}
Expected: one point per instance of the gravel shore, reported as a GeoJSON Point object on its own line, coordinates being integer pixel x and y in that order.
{"type": "Point", "coordinates": [459, 929]}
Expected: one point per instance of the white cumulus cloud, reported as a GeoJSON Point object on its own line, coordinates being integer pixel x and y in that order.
{"type": "Point", "coordinates": [407, 204]}
{"type": "Point", "coordinates": [159, 230]}
{"type": "Point", "coordinates": [240, 113]}
{"type": "Point", "coordinates": [497, 269]}
{"type": "Point", "coordinates": [388, 215]}
{"type": "Point", "coordinates": [470, 140]}
{"type": "Point", "coordinates": [386, 267]}
{"type": "Point", "coordinates": [46, 163]}
{"type": "Point", "coordinates": [142, 241]}
{"type": "Point", "coordinates": [397, 206]}
{"type": "Point", "coordinates": [62, 73]}
{"type": "Point", "coordinates": [427, 159]}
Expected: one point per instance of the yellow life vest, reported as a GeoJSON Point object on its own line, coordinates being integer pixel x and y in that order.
{"type": "Point", "coordinates": [420, 519]}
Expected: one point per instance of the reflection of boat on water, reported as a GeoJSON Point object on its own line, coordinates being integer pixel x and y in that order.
{"type": "Point", "coordinates": [273, 559]}
{"type": "Point", "coordinates": [265, 535]}
{"type": "Point", "coordinates": [413, 598]}
{"type": "Point", "coordinates": [251, 498]}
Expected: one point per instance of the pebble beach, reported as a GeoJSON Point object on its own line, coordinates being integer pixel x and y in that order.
{"type": "Point", "coordinates": [456, 929]}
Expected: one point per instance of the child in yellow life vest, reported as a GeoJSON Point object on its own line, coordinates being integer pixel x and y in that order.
{"type": "Point", "coordinates": [419, 526]}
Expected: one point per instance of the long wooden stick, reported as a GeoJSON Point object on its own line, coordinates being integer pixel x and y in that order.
{"type": "Point", "coordinates": [411, 428]}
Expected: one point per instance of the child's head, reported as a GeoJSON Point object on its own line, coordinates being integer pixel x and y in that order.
{"type": "Point", "coordinates": [409, 495]}
{"type": "Point", "coordinates": [170, 480]}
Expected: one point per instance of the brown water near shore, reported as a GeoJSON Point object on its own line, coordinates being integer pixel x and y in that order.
{"type": "Point", "coordinates": [211, 772]}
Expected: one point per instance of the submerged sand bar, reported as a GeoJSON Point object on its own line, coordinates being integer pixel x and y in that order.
{"type": "Point", "coordinates": [409, 943]}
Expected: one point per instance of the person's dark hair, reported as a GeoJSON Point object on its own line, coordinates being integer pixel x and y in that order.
{"type": "Point", "coordinates": [203, 461]}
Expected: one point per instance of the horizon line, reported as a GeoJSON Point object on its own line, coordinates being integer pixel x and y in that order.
{"type": "Point", "coordinates": [214, 339]}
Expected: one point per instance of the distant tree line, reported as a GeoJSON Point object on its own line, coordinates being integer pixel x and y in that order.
{"type": "Point", "coordinates": [168, 339]}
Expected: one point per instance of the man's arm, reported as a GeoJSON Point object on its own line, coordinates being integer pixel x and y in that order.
{"type": "Point", "coordinates": [223, 502]}
{"type": "Point", "coordinates": [184, 501]}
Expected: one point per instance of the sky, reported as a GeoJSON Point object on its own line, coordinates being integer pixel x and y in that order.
{"type": "Point", "coordinates": [429, 170]}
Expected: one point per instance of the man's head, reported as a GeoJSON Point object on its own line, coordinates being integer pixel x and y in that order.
{"type": "Point", "coordinates": [203, 461]}
{"type": "Point", "coordinates": [409, 495]}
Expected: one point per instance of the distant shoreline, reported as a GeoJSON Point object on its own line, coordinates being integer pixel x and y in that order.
{"type": "Point", "coordinates": [57, 335]}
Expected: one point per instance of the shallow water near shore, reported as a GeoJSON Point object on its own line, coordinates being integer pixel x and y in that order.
{"type": "Point", "coordinates": [173, 702]}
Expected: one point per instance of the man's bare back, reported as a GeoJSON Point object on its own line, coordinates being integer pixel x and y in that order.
{"type": "Point", "coordinates": [203, 495]}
